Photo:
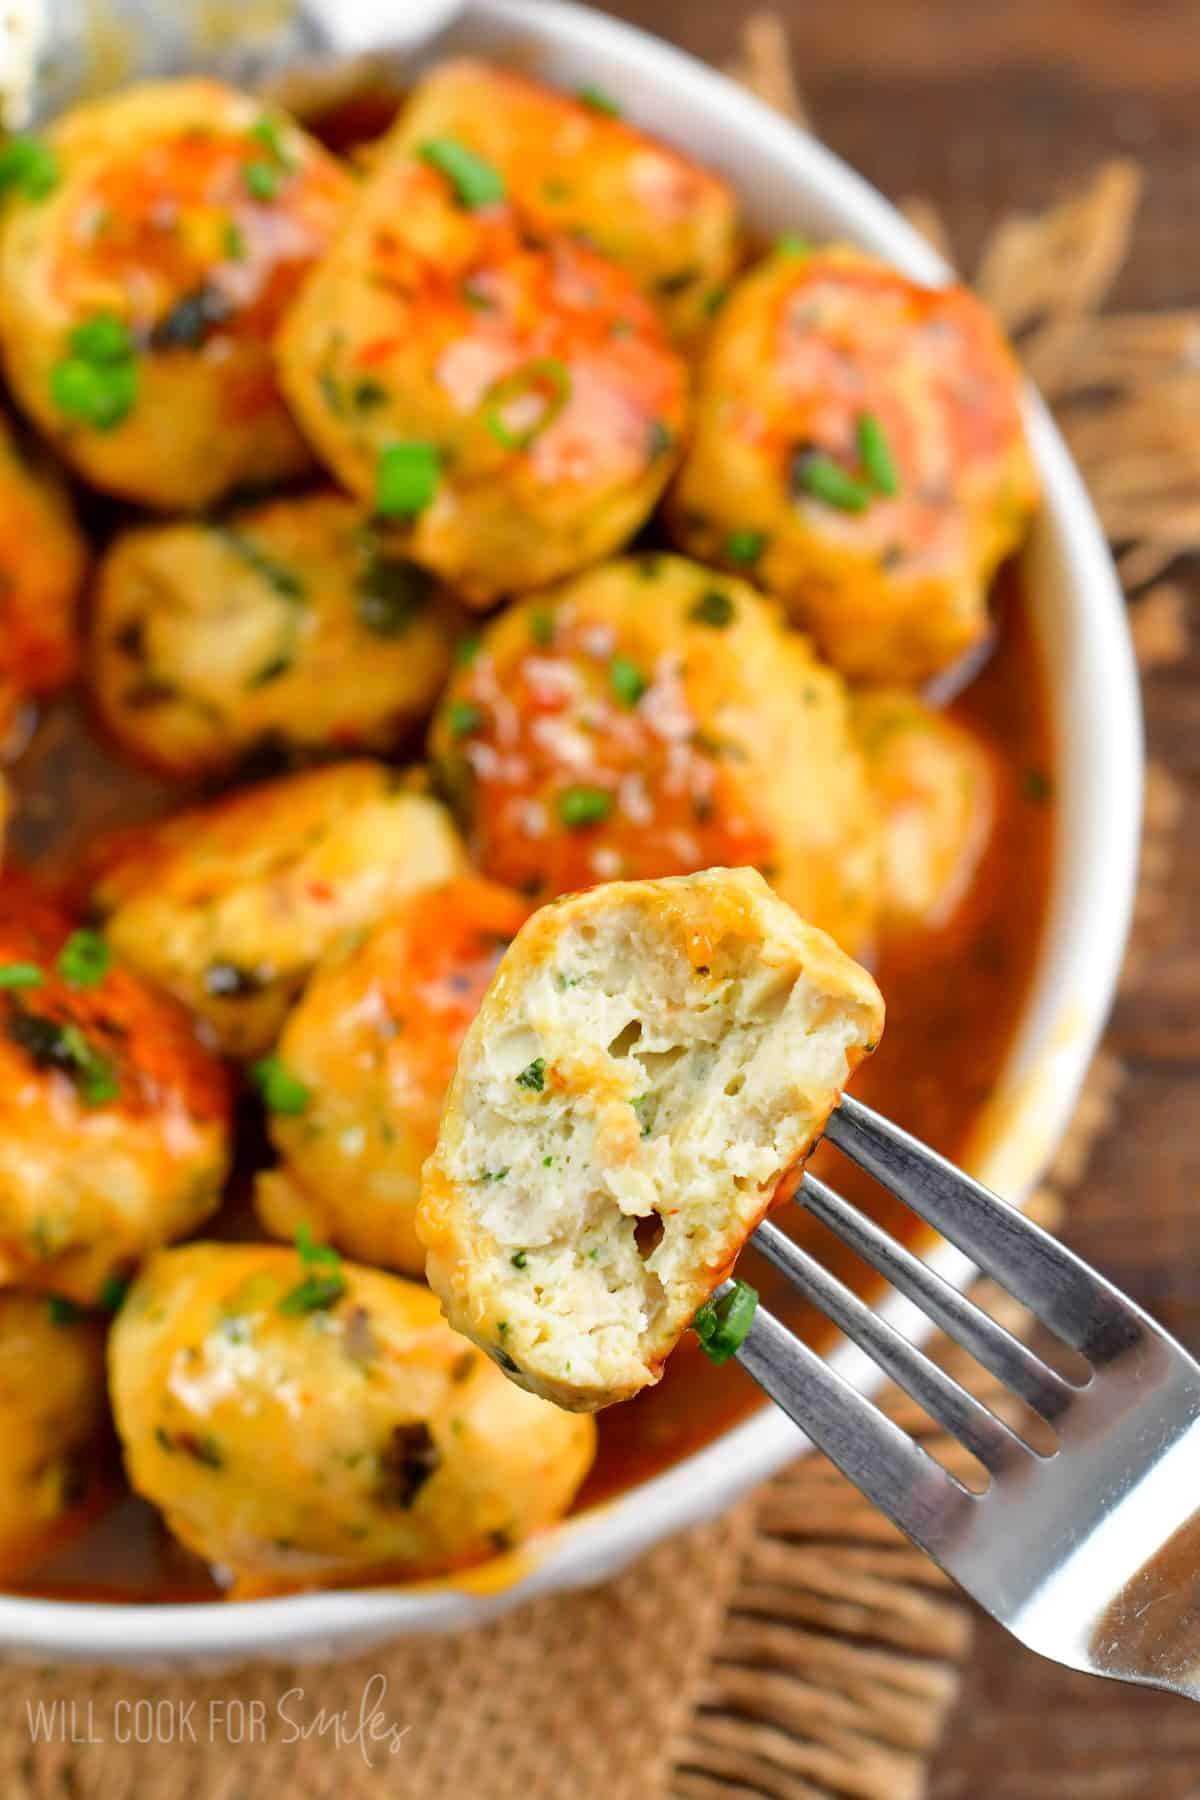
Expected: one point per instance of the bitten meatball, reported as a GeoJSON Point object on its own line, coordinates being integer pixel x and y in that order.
{"type": "Point", "coordinates": [301, 1420]}
{"type": "Point", "coordinates": [935, 784]}
{"type": "Point", "coordinates": [572, 164]}
{"type": "Point", "coordinates": [114, 1120]}
{"type": "Point", "coordinates": [42, 561]}
{"type": "Point", "coordinates": [229, 906]}
{"type": "Point", "coordinates": [507, 401]}
{"type": "Point", "coordinates": [141, 283]}
{"type": "Point", "coordinates": [372, 1045]}
{"type": "Point", "coordinates": [653, 718]}
{"type": "Point", "coordinates": [859, 447]}
{"type": "Point", "coordinates": [649, 1063]}
{"type": "Point", "coordinates": [289, 625]}
{"type": "Point", "coordinates": [53, 1424]}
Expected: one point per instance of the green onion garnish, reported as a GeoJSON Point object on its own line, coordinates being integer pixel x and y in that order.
{"type": "Point", "coordinates": [281, 1092]}
{"type": "Point", "coordinates": [721, 1325]}
{"type": "Point", "coordinates": [262, 180]}
{"type": "Point", "coordinates": [20, 975]}
{"type": "Point", "coordinates": [84, 958]}
{"type": "Point", "coordinates": [827, 481]}
{"type": "Point", "coordinates": [712, 608]}
{"type": "Point", "coordinates": [792, 244]}
{"type": "Point", "coordinates": [463, 717]}
{"type": "Point", "coordinates": [534, 1077]}
{"type": "Point", "coordinates": [406, 479]}
{"type": "Point", "coordinates": [598, 100]}
{"type": "Point", "coordinates": [874, 452]}
{"type": "Point", "coordinates": [541, 627]}
{"type": "Point", "coordinates": [310, 1251]}
{"type": "Point", "coordinates": [542, 386]}
{"type": "Point", "coordinates": [626, 680]}
{"type": "Point", "coordinates": [97, 380]}
{"type": "Point", "coordinates": [581, 806]}
{"type": "Point", "coordinates": [29, 166]}
{"type": "Point", "coordinates": [476, 183]}
{"type": "Point", "coordinates": [316, 1293]}
{"type": "Point", "coordinates": [746, 545]}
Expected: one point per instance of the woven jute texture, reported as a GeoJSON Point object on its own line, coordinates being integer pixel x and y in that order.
{"type": "Point", "coordinates": [799, 1648]}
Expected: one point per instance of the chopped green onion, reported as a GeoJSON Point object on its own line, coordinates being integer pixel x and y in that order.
{"type": "Point", "coordinates": [233, 241]}
{"type": "Point", "coordinates": [316, 1293]}
{"type": "Point", "coordinates": [29, 166]}
{"type": "Point", "coordinates": [721, 1325]}
{"type": "Point", "coordinates": [104, 338]}
{"type": "Point", "coordinates": [63, 1311]}
{"type": "Point", "coordinates": [310, 1251]}
{"type": "Point", "coordinates": [262, 180]}
{"type": "Point", "coordinates": [20, 975]}
{"type": "Point", "coordinates": [713, 608]}
{"type": "Point", "coordinates": [792, 244]}
{"type": "Point", "coordinates": [406, 479]}
{"type": "Point", "coordinates": [746, 545]}
{"type": "Point", "coordinates": [268, 133]}
{"type": "Point", "coordinates": [84, 959]}
{"type": "Point", "coordinates": [874, 452]}
{"type": "Point", "coordinates": [826, 480]}
{"type": "Point", "coordinates": [626, 680]}
{"type": "Point", "coordinates": [581, 806]}
{"type": "Point", "coordinates": [281, 1092]}
{"type": "Point", "coordinates": [463, 717]}
{"type": "Point", "coordinates": [541, 627]}
{"type": "Point", "coordinates": [545, 382]}
{"type": "Point", "coordinates": [476, 183]}
{"type": "Point", "coordinates": [468, 649]}
{"type": "Point", "coordinates": [519, 1260]}
{"type": "Point", "coordinates": [534, 1077]}
{"type": "Point", "coordinates": [93, 1074]}
{"type": "Point", "coordinates": [112, 1293]}
{"type": "Point", "coordinates": [598, 100]}
{"type": "Point", "coordinates": [645, 1108]}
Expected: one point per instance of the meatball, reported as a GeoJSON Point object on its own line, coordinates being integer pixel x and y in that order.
{"type": "Point", "coordinates": [54, 1422]}
{"type": "Point", "coordinates": [652, 718]}
{"type": "Point", "coordinates": [573, 165]}
{"type": "Point", "coordinates": [373, 1044]}
{"type": "Point", "coordinates": [114, 1120]}
{"type": "Point", "coordinates": [289, 625]}
{"type": "Point", "coordinates": [229, 906]}
{"type": "Point", "coordinates": [652, 1059]}
{"type": "Point", "coordinates": [507, 401]}
{"type": "Point", "coordinates": [141, 283]}
{"type": "Point", "coordinates": [301, 1420]}
{"type": "Point", "coordinates": [859, 446]}
{"type": "Point", "coordinates": [42, 560]}
{"type": "Point", "coordinates": [935, 784]}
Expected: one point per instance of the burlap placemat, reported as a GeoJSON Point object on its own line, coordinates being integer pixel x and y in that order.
{"type": "Point", "coordinates": [800, 1648]}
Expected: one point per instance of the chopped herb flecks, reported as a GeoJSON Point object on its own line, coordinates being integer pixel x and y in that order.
{"type": "Point", "coordinates": [28, 167]}
{"type": "Point", "coordinates": [722, 1325]}
{"type": "Point", "coordinates": [20, 975]}
{"type": "Point", "coordinates": [84, 959]}
{"type": "Point", "coordinates": [533, 1077]}
{"type": "Point", "coordinates": [823, 479]}
{"type": "Point", "coordinates": [581, 806]}
{"type": "Point", "coordinates": [406, 479]}
{"type": "Point", "coordinates": [874, 452]}
{"type": "Point", "coordinates": [476, 183]}
{"type": "Point", "coordinates": [713, 608]}
{"type": "Point", "coordinates": [626, 680]}
{"type": "Point", "coordinates": [281, 1092]}
{"type": "Point", "coordinates": [746, 545]}
{"type": "Point", "coordinates": [595, 98]}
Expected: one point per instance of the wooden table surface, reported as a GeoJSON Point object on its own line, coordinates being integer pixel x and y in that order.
{"type": "Point", "coordinates": [982, 108]}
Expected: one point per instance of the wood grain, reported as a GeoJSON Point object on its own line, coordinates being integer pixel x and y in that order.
{"type": "Point", "coordinates": [984, 108]}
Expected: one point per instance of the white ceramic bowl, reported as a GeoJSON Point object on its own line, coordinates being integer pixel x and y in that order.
{"type": "Point", "coordinates": [786, 181]}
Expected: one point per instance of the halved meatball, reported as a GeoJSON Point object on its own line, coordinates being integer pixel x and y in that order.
{"type": "Point", "coordinates": [651, 1060]}
{"type": "Point", "coordinates": [285, 626]}
{"type": "Point", "coordinates": [301, 1421]}
{"type": "Point", "coordinates": [53, 1424]}
{"type": "Point", "coordinates": [507, 400]}
{"type": "Point", "coordinates": [43, 555]}
{"type": "Point", "coordinates": [114, 1120]}
{"type": "Point", "coordinates": [859, 447]}
{"type": "Point", "coordinates": [573, 164]}
{"type": "Point", "coordinates": [653, 718]}
{"type": "Point", "coordinates": [372, 1046]}
{"type": "Point", "coordinates": [935, 784]}
{"type": "Point", "coordinates": [229, 906]}
{"type": "Point", "coordinates": [142, 279]}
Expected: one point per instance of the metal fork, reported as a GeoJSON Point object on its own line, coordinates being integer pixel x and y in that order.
{"type": "Point", "coordinates": [1089, 1554]}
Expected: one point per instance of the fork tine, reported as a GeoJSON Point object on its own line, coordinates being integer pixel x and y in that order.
{"type": "Point", "coordinates": [871, 1450]}
{"type": "Point", "coordinates": [989, 1343]}
{"type": "Point", "coordinates": [986, 1436]}
{"type": "Point", "coordinates": [1079, 1305]}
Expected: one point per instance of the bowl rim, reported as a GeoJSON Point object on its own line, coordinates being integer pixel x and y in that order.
{"type": "Point", "coordinates": [1097, 721]}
